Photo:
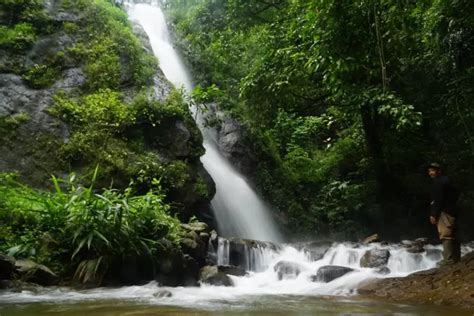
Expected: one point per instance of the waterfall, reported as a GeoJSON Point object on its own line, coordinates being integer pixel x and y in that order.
{"type": "Point", "coordinates": [237, 208]}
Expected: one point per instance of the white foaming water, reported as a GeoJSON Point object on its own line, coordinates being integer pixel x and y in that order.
{"type": "Point", "coordinates": [238, 209]}
{"type": "Point", "coordinates": [268, 282]}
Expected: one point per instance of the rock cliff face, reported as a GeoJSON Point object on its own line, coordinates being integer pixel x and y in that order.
{"type": "Point", "coordinates": [231, 139]}
{"type": "Point", "coordinates": [32, 139]}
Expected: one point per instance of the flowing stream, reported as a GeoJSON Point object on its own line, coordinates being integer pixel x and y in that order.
{"type": "Point", "coordinates": [280, 279]}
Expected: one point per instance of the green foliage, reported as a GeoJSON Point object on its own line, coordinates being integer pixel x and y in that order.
{"type": "Point", "coordinates": [18, 37]}
{"type": "Point", "coordinates": [102, 65]}
{"type": "Point", "coordinates": [113, 55]}
{"type": "Point", "coordinates": [12, 11]}
{"type": "Point", "coordinates": [339, 92]}
{"type": "Point", "coordinates": [40, 76]}
{"type": "Point", "coordinates": [80, 224]}
{"type": "Point", "coordinates": [101, 110]}
{"type": "Point", "coordinates": [12, 122]}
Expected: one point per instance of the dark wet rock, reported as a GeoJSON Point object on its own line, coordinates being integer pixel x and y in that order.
{"type": "Point", "coordinates": [315, 249]}
{"type": "Point", "coordinates": [32, 272]}
{"type": "Point", "coordinates": [287, 269]}
{"type": "Point", "coordinates": [211, 275]}
{"type": "Point", "coordinates": [232, 270]}
{"type": "Point", "coordinates": [383, 270]}
{"type": "Point", "coordinates": [448, 285]}
{"type": "Point", "coordinates": [175, 268]}
{"type": "Point", "coordinates": [163, 293]}
{"type": "Point", "coordinates": [329, 273]}
{"type": "Point", "coordinates": [371, 239]}
{"type": "Point", "coordinates": [7, 267]}
{"type": "Point", "coordinates": [6, 284]}
{"type": "Point", "coordinates": [375, 258]}
{"type": "Point", "coordinates": [415, 246]}
{"type": "Point", "coordinates": [193, 244]}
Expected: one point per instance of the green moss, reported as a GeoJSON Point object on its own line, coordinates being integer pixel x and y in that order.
{"type": "Point", "coordinates": [10, 123]}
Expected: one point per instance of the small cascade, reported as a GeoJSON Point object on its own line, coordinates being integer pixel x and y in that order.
{"type": "Point", "coordinates": [250, 255]}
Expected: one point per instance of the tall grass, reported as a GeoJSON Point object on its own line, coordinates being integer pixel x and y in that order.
{"type": "Point", "coordinates": [87, 228]}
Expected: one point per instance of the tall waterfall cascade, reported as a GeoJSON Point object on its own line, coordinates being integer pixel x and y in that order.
{"type": "Point", "coordinates": [237, 208]}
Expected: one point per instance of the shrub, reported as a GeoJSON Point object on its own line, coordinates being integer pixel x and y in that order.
{"type": "Point", "coordinates": [87, 225]}
{"type": "Point", "coordinates": [20, 37]}
{"type": "Point", "coordinates": [41, 76]}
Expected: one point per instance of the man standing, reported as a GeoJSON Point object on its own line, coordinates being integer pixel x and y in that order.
{"type": "Point", "coordinates": [444, 197]}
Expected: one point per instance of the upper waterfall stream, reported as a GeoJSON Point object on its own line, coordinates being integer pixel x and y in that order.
{"type": "Point", "coordinates": [238, 209]}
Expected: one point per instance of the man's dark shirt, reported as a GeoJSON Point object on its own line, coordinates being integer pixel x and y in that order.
{"type": "Point", "coordinates": [444, 197]}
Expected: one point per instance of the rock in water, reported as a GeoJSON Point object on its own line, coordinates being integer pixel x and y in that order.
{"type": "Point", "coordinates": [163, 293]}
{"type": "Point", "coordinates": [232, 270]}
{"type": "Point", "coordinates": [211, 275]}
{"type": "Point", "coordinates": [287, 269]}
{"type": "Point", "coordinates": [32, 272]}
{"type": "Point", "coordinates": [375, 258]}
{"type": "Point", "coordinates": [7, 267]}
{"type": "Point", "coordinates": [329, 273]}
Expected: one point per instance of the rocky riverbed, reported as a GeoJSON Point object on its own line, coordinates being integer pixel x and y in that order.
{"type": "Point", "coordinates": [449, 285]}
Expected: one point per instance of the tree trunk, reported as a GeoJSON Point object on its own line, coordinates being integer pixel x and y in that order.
{"type": "Point", "coordinates": [370, 125]}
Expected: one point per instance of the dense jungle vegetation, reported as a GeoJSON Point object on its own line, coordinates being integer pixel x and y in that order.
{"type": "Point", "coordinates": [345, 102]}
{"type": "Point", "coordinates": [122, 182]}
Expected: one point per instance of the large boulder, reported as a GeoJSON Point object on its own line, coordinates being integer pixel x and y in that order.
{"type": "Point", "coordinates": [232, 270]}
{"type": "Point", "coordinates": [415, 246]}
{"type": "Point", "coordinates": [7, 267]}
{"type": "Point", "coordinates": [375, 258]}
{"type": "Point", "coordinates": [175, 268]}
{"type": "Point", "coordinates": [287, 269]}
{"type": "Point", "coordinates": [212, 275]}
{"type": "Point", "coordinates": [329, 273]}
{"type": "Point", "coordinates": [32, 272]}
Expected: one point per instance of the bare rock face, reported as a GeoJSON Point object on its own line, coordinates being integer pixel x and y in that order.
{"type": "Point", "coordinates": [449, 285]}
